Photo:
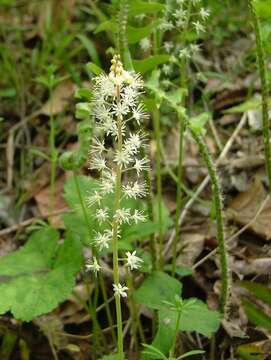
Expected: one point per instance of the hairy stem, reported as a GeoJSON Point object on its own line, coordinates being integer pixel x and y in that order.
{"type": "Point", "coordinates": [263, 76]}
{"type": "Point", "coordinates": [225, 275]}
{"type": "Point", "coordinates": [115, 238]}
{"type": "Point", "coordinates": [147, 178]}
{"type": "Point", "coordinates": [157, 132]}
{"type": "Point", "coordinates": [181, 146]}
{"type": "Point", "coordinates": [179, 195]}
{"type": "Point", "coordinates": [53, 153]}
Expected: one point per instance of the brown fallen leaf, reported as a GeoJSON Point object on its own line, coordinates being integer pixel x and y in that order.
{"type": "Point", "coordinates": [248, 267]}
{"type": "Point", "coordinates": [72, 311]}
{"type": "Point", "coordinates": [43, 200]}
{"type": "Point", "coordinates": [192, 247]}
{"type": "Point", "coordinates": [61, 97]}
{"type": "Point", "coordinates": [245, 205]}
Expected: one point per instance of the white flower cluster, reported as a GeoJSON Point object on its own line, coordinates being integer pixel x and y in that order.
{"type": "Point", "coordinates": [116, 109]}
{"type": "Point", "coordinates": [180, 15]}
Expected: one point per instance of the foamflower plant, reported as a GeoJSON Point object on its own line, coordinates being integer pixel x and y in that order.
{"type": "Point", "coordinates": [115, 154]}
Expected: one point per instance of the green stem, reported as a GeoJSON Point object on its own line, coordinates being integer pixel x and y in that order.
{"type": "Point", "coordinates": [179, 195]}
{"type": "Point", "coordinates": [181, 146]}
{"type": "Point", "coordinates": [263, 76]}
{"type": "Point", "coordinates": [53, 153]}
{"type": "Point", "coordinates": [225, 276]}
{"type": "Point", "coordinates": [97, 332]}
{"type": "Point", "coordinates": [115, 238]}
{"type": "Point", "coordinates": [107, 309]}
{"type": "Point", "coordinates": [122, 46]}
{"type": "Point", "coordinates": [157, 132]}
{"type": "Point", "coordinates": [101, 280]}
{"type": "Point", "coordinates": [134, 310]}
{"type": "Point", "coordinates": [172, 350]}
{"type": "Point", "coordinates": [153, 246]}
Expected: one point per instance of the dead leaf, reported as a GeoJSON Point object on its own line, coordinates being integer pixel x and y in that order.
{"type": "Point", "coordinates": [248, 267]}
{"type": "Point", "coordinates": [192, 248]}
{"type": "Point", "coordinates": [233, 328]}
{"type": "Point", "coordinates": [245, 206]}
{"type": "Point", "coordinates": [72, 311]}
{"type": "Point", "coordinates": [61, 97]}
{"type": "Point", "coordinates": [43, 201]}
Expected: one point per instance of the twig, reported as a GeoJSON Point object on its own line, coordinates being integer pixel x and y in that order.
{"type": "Point", "coordinates": [82, 337]}
{"type": "Point", "coordinates": [10, 159]}
{"type": "Point", "coordinates": [30, 221]}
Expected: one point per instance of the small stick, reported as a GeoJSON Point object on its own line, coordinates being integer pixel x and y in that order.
{"type": "Point", "coordinates": [31, 221]}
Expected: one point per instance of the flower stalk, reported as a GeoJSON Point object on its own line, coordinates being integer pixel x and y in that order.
{"type": "Point", "coordinates": [263, 76]}
{"type": "Point", "coordinates": [115, 104]}
{"type": "Point", "coordinates": [217, 194]}
{"type": "Point", "coordinates": [157, 131]}
{"type": "Point", "coordinates": [115, 232]}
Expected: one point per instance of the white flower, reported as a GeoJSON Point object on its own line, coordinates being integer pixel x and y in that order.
{"type": "Point", "coordinates": [166, 26]}
{"type": "Point", "coordinates": [129, 95]}
{"type": "Point", "coordinates": [102, 239]}
{"type": "Point", "coordinates": [194, 49]}
{"type": "Point", "coordinates": [98, 163]}
{"type": "Point", "coordinates": [120, 290]}
{"type": "Point", "coordinates": [168, 45]}
{"type": "Point", "coordinates": [166, 69]}
{"type": "Point", "coordinates": [108, 182]}
{"type": "Point", "coordinates": [184, 53]}
{"type": "Point", "coordinates": [180, 23]}
{"type": "Point", "coordinates": [108, 125]}
{"type": "Point", "coordinates": [105, 86]}
{"type": "Point", "coordinates": [198, 27]}
{"type": "Point", "coordinates": [134, 190]}
{"type": "Point", "coordinates": [136, 81]}
{"type": "Point", "coordinates": [139, 113]}
{"type": "Point", "coordinates": [138, 216]}
{"type": "Point", "coordinates": [120, 109]}
{"type": "Point", "coordinates": [145, 44]}
{"type": "Point", "coordinates": [102, 113]}
{"type": "Point", "coordinates": [95, 267]}
{"type": "Point", "coordinates": [141, 164]}
{"type": "Point", "coordinates": [122, 215]}
{"type": "Point", "coordinates": [97, 146]}
{"type": "Point", "coordinates": [180, 14]}
{"type": "Point", "coordinates": [102, 215]}
{"type": "Point", "coordinates": [122, 157]}
{"type": "Point", "coordinates": [204, 13]}
{"type": "Point", "coordinates": [133, 261]}
{"type": "Point", "coordinates": [94, 198]}
{"type": "Point", "coordinates": [134, 142]}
